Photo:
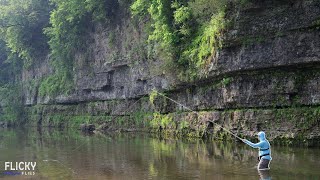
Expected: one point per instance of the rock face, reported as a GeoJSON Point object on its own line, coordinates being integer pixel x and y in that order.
{"type": "Point", "coordinates": [265, 78]}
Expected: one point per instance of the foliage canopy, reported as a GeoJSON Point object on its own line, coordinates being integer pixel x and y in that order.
{"type": "Point", "coordinates": [21, 27]}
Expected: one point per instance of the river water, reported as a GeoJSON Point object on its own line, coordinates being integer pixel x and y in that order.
{"type": "Point", "coordinates": [71, 155]}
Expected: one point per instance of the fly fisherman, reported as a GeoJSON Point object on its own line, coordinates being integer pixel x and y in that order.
{"type": "Point", "coordinates": [264, 151]}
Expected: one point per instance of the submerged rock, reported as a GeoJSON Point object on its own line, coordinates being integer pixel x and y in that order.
{"type": "Point", "coordinates": [3, 124]}
{"type": "Point", "coordinates": [87, 127]}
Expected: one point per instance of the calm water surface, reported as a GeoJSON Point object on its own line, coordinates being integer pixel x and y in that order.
{"type": "Point", "coordinates": [71, 155]}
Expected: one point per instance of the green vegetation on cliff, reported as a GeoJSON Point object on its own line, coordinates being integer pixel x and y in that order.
{"type": "Point", "coordinates": [11, 107]}
{"type": "Point", "coordinates": [70, 22]}
{"type": "Point", "coordinates": [185, 33]}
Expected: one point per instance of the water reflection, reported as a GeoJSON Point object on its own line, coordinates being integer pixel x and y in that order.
{"type": "Point", "coordinates": [264, 174]}
{"type": "Point", "coordinates": [71, 155]}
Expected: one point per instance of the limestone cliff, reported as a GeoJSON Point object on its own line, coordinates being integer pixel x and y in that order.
{"type": "Point", "coordinates": [266, 77]}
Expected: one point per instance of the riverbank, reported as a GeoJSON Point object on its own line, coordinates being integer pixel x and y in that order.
{"type": "Point", "coordinates": [292, 126]}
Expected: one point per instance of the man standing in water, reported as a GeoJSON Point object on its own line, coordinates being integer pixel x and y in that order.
{"type": "Point", "coordinates": [264, 151]}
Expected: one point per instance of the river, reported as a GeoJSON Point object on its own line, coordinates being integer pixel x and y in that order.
{"type": "Point", "coordinates": [68, 154]}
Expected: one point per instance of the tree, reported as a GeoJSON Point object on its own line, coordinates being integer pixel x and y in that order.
{"type": "Point", "coordinates": [21, 27]}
